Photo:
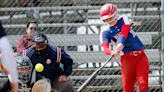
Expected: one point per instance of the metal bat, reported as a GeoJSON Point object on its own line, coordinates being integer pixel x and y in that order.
{"type": "Point", "coordinates": [92, 76]}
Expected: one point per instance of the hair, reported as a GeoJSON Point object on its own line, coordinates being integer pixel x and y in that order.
{"type": "Point", "coordinates": [31, 21]}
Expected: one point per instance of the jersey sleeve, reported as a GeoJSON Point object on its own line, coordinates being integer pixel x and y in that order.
{"type": "Point", "coordinates": [125, 29]}
{"type": "Point", "coordinates": [67, 61]}
{"type": "Point", "coordinates": [104, 37]}
{"type": "Point", "coordinates": [126, 20]}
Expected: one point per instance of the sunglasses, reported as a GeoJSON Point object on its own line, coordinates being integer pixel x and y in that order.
{"type": "Point", "coordinates": [33, 28]}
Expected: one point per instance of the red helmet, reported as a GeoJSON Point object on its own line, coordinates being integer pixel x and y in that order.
{"type": "Point", "coordinates": [107, 11]}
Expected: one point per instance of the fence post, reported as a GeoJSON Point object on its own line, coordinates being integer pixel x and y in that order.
{"type": "Point", "coordinates": [162, 41]}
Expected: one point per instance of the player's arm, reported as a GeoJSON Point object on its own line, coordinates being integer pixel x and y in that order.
{"type": "Point", "coordinates": [8, 59]}
{"type": "Point", "coordinates": [8, 62]}
{"type": "Point", "coordinates": [105, 40]}
{"type": "Point", "coordinates": [106, 48]}
{"type": "Point", "coordinates": [67, 61]}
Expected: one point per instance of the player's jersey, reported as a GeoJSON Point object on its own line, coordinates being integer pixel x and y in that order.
{"type": "Point", "coordinates": [111, 34]}
{"type": "Point", "coordinates": [2, 33]}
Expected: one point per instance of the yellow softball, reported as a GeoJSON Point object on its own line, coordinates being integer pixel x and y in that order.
{"type": "Point", "coordinates": [39, 67]}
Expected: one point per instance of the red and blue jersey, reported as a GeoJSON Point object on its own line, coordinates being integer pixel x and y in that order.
{"type": "Point", "coordinates": [122, 32]}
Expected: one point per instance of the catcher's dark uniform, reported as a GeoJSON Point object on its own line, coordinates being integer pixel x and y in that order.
{"type": "Point", "coordinates": [52, 69]}
{"type": "Point", "coordinates": [23, 87]}
{"type": "Point", "coordinates": [52, 64]}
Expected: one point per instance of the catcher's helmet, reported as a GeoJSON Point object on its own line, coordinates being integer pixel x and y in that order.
{"type": "Point", "coordinates": [108, 11]}
{"type": "Point", "coordinates": [24, 67]}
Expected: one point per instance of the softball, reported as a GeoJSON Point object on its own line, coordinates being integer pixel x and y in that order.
{"type": "Point", "coordinates": [39, 67]}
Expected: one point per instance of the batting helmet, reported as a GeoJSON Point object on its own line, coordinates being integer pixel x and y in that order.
{"type": "Point", "coordinates": [108, 11]}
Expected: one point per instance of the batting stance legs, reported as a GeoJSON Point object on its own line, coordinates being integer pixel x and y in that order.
{"type": "Point", "coordinates": [135, 66]}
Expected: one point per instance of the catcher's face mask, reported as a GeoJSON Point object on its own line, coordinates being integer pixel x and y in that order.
{"type": "Point", "coordinates": [24, 67]}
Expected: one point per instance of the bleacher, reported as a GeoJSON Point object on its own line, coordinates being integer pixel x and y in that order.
{"type": "Point", "coordinates": [60, 21]}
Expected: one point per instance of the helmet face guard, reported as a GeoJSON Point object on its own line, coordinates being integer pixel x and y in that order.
{"type": "Point", "coordinates": [24, 67]}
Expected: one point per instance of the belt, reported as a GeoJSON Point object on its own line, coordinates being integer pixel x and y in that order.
{"type": "Point", "coordinates": [135, 53]}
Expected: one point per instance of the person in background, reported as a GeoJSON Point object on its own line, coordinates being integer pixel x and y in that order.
{"type": "Point", "coordinates": [57, 63]}
{"type": "Point", "coordinates": [24, 41]}
{"type": "Point", "coordinates": [134, 62]}
{"type": "Point", "coordinates": [7, 59]}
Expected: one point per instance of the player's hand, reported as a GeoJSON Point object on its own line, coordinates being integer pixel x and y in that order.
{"type": "Point", "coordinates": [14, 87]}
{"type": "Point", "coordinates": [63, 78]}
{"type": "Point", "coordinates": [115, 53]}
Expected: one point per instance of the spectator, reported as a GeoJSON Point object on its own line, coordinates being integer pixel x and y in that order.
{"type": "Point", "coordinates": [25, 40]}
{"type": "Point", "coordinates": [52, 58]}
{"type": "Point", "coordinates": [8, 59]}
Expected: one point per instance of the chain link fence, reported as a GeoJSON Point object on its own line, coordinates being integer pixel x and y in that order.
{"type": "Point", "coordinates": [75, 26]}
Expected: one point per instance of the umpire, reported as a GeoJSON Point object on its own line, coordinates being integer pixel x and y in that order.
{"type": "Point", "coordinates": [52, 58]}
